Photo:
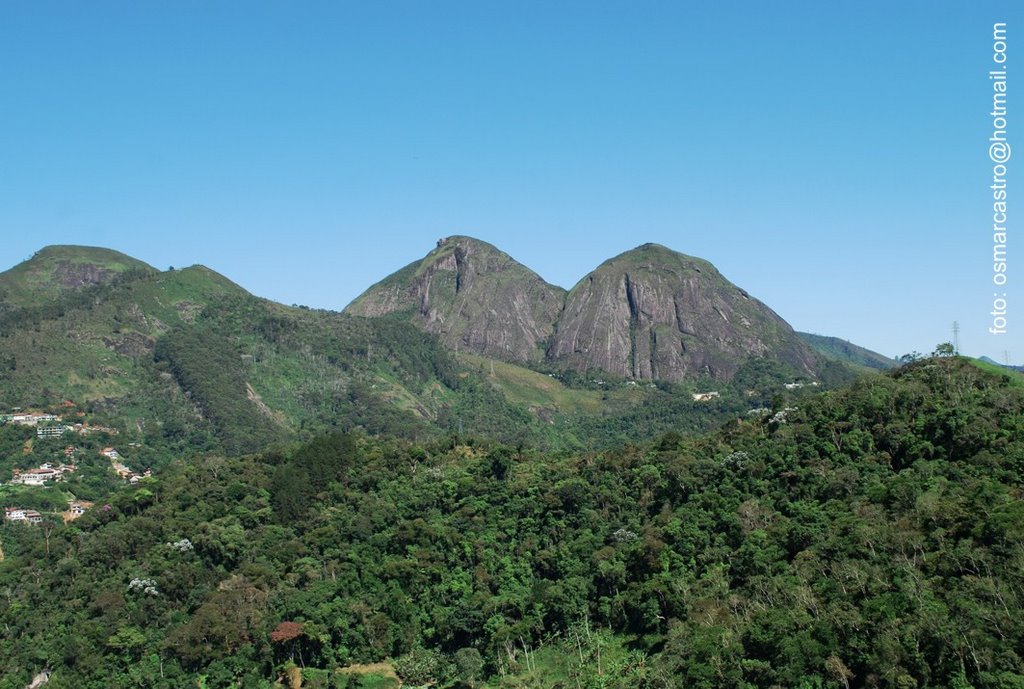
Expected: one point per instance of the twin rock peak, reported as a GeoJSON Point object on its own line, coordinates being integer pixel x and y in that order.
{"type": "Point", "coordinates": [649, 313]}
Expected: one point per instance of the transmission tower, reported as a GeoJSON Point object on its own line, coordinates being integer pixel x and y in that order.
{"type": "Point", "coordinates": [956, 337]}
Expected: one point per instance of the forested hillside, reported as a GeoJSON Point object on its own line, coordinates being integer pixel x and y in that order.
{"type": "Point", "coordinates": [869, 537]}
{"type": "Point", "coordinates": [185, 361]}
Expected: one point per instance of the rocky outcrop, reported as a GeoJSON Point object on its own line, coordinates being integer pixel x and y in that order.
{"type": "Point", "coordinates": [78, 275]}
{"type": "Point", "coordinates": [131, 344]}
{"type": "Point", "coordinates": [56, 270]}
{"type": "Point", "coordinates": [652, 313]}
{"type": "Point", "coordinates": [474, 297]}
{"type": "Point", "coordinates": [649, 314]}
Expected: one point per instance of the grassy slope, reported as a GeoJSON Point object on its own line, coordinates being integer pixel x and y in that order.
{"type": "Point", "coordinates": [34, 280]}
{"type": "Point", "coordinates": [280, 368]}
{"type": "Point", "coordinates": [287, 368]}
{"type": "Point", "coordinates": [1016, 378]}
{"type": "Point", "coordinates": [534, 390]}
{"type": "Point", "coordinates": [847, 352]}
{"type": "Point", "coordinates": [84, 353]}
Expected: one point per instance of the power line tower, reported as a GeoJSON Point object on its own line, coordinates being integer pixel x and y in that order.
{"type": "Point", "coordinates": [1006, 357]}
{"type": "Point", "coordinates": [956, 337]}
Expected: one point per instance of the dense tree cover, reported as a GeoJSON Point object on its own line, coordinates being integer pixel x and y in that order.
{"type": "Point", "coordinates": [872, 537]}
{"type": "Point", "coordinates": [209, 365]}
{"type": "Point", "coordinates": [670, 407]}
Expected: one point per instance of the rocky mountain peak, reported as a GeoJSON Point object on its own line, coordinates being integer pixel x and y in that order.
{"type": "Point", "coordinates": [649, 313]}
{"type": "Point", "coordinates": [653, 313]}
{"type": "Point", "coordinates": [475, 297]}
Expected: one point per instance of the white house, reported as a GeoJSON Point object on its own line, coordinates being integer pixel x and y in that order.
{"type": "Point", "coordinates": [37, 477]}
{"type": "Point", "coordinates": [19, 514]}
{"type": "Point", "coordinates": [31, 419]}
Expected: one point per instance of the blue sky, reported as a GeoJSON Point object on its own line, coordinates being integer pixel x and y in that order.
{"type": "Point", "coordinates": [831, 158]}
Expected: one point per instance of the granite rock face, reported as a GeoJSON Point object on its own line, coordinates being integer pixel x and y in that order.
{"type": "Point", "coordinates": [648, 314]}
{"type": "Point", "coordinates": [653, 313]}
{"type": "Point", "coordinates": [474, 297]}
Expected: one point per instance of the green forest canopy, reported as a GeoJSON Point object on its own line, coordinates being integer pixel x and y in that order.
{"type": "Point", "coordinates": [871, 537]}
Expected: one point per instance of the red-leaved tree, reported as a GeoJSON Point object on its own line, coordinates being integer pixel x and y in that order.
{"type": "Point", "coordinates": [285, 634]}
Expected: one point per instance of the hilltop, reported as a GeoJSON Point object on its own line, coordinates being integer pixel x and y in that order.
{"type": "Point", "coordinates": [474, 297]}
{"type": "Point", "coordinates": [989, 360]}
{"type": "Point", "coordinates": [58, 269]}
{"type": "Point", "coordinates": [656, 314]}
{"type": "Point", "coordinates": [648, 314]}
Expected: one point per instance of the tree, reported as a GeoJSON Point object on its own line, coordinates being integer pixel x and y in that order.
{"type": "Point", "coordinates": [422, 666]}
{"type": "Point", "coordinates": [468, 665]}
{"type": "Point", "coordinates": [944, 349]}
{"type": "Point", "coordinates": [285, 634]}
{"type": "Point", "coordinates": [127, 640]}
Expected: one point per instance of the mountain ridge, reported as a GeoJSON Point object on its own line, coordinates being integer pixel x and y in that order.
{"type": "Point", "coordinates": [187, 353]}
{"type": "Point", "coordinates": [649, 313]}
{"type": "Point", "coordinates": [845, 351]}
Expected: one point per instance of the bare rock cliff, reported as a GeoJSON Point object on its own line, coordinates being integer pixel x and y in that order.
{"type": "Point", "coordinates": [474, 297]}
{"type": "Point", "coordinates": [652, 313]}
{"type": "Point", "coordinates": [648, 314]}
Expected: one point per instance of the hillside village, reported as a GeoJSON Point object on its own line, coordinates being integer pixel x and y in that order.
{"type": "Point", "coordinates": [50, 425]}
{"type": "Point", "coordinates": [61, 466]}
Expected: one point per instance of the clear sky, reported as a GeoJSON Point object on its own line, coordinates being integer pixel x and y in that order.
{"type": "Point", "coordinates": [831, 158]}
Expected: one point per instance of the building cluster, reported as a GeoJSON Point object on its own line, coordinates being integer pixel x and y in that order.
{"type": "Point", "coordinates": [46, 472]}
{"type": "Point", "coordinates": [51, 425]}
{"type": "Point", "coordinates": [80, 428]}
{"type": "Point", "coordinates": [122, 470]}
{"type": "Point", "coordinates": [29, 418]}
{"type": "Point", "coordinates": [76, 508]}
{"type": "Point", "coordinates": [20, 514]}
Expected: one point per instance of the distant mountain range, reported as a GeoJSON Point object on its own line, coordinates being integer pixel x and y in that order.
{"type": "Point", "coordinates": [843, 350]}
{"type": "Point", "coordinates": [465, 339]}
{"type": "Point", "coordinates": [987, 360]}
